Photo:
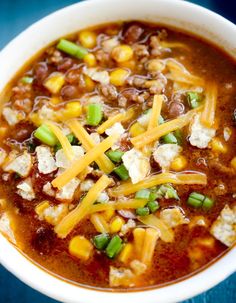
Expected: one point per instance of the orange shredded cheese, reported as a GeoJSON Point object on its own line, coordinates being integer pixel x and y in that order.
{"type": "Point", "coordinates": [156, 111]}
{"type": "Point", "coordinates": [208, 113]}
{"type": "Point", "coordinates": [149, 244]}
{"type": "Point", "coordinates": [121, 117]}
{"type": "Point", "coordinates": [79, 165]}
{"type": "Point", "coordinates": [75, 216]}
{"type": "Point", "coordinates": [161, 130]}
{"type": "Point", "coordinates": [139, 234]}
{"type": "Point", "coordinates": [128, 188]}
{"type": "Point", "coordinates": [62, 139]}
{"type": "Point", "coordinates": [166, 233]}
{"type": "Point", "coordinates": [102, 161]}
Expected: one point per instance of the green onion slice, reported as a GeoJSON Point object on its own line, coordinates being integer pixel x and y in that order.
{"type": "Point", "coordinates": [72, 49]}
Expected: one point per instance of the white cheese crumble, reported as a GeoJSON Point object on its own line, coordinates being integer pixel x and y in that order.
{"type": "Point", "coordinates": [137, 164]}
{"type": "Point", "coordinates": [95, 137]}
{"type": "Point", "coordinates": [115, 130]}
{"type": "Point", "coordinates": [46, 113]}
{"type": "Point", "coordinates": [25, 190]}
{"type": "Point", "coordinates": [52, 214]}
{"type": "Point", "coordinates": [227, 133]}
{"type": "Point", "coordinates": [109, 44]}
{"type": "Point", "coordinates": [127, 226]}
{"type": "Point", "coordinates": [103, 197]}
{"type": "Point", "coordinates": [173, 216]}
{"type": "Point", "coordinates": [12, 116]}
{"type": "Point", "coordinates": [224, 228]}
{"type": "Point", "coordinates": [165, 154]}
{"type": "Point", "coordinates": [46, 162]}
{"type": "Point", "coordinates": [68, 190]}
{"type": "Point", "coordinates": [96, 75]}
{"type": "Point", "coordinates": [5, 227]}
{"type": "Point", "coordinates": [86, 185]}
{"type": "Point", "coordinates": [20, 165]}
{"type": "Point", "coordinates": [200, 135]}
{"type": "Point", "coordinates": [121, 277]}
{"type": "Point", "coordinates": [144, 119]}
{"type": "Point", "coordinates": [61, 159]}
{"type": "Point", "coordinates": [48, 190]}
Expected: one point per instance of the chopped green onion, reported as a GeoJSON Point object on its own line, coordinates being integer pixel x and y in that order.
{"type": "Point", "coordinates": [27, 80]}
{"type": "Point", "coordinates": [153, 196]}
{"type": "Point", "coordinates": [167, 191]}
{"type": "Point", "coordinates": [142, 194]}
{"type": "Point", "coordinates": [153, 206]}
{"type": "Point", "coordinates": [94, 114]}
{"type": "Point", "coordinates": [101, 241]}
{"type": "Point", "coordinates": [161, 120]}
{"type": "Point", "coordinates": [114, 247]}
{"type": "Point", "coordinates": [72, 49]}
{"type": "Point", "coordinates": [122, 172]}
{"type": "Point", "coordinates": [142, 211]}
{"type": "Point", "coordinates": [194, 99]}
{"type": "Point", "coordinates": [195, 199]}
{"type": "Point", "coordinates": [207, 203]}
{"type": "Point", "coordinates": [115, 155]}
{"type": "Point", "coordinates": [44, 134]}
{"type": "Point", "coordinates": [179, 136]}
{"type": "Point", "coordinates": [170, 138]}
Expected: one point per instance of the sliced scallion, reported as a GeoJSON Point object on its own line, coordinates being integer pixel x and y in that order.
{"type": "Point", "coordinates": [142, 194]}
{"type": "Point", "coordinates": [101, 241]}
{"type": "Point", "coordinates": [72, 49]}
{"type": "Point", "coordinates": [27, 80]}
{"type": "Point", "coordinates": [153, 206]}
{"type": "Point", "coordinates": [194, 99]}
{"type": "Point", "coordinates": [170, 139]}
{"type": "Point", "coordinates": [94, 114]}
{"type": "Point", "coordinates": [114, 247]}
{"type": "Point", "coordinates": [122, 172]}
{"type": "Point", "coordinates": [142, 211]}
{"type": "Point", "coordinates": [115, 155]}
{"type": "Point", "coordinates": [45, 135]}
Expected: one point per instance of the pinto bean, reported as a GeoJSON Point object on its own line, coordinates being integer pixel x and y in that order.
{"type": "Point", "coordinates": [41, 71]}
{"type": "Point", "coordinates": [69, 92]}
{"type": "Point", "coordinates": [133, 34]}
{"type": "Point", "coordinates": [65, 64]}
{"type": "Point", "coordinates": [176, 109]}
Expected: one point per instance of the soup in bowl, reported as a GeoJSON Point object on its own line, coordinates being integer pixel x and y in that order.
{"type": "Point", "coordinates": [118, 155]}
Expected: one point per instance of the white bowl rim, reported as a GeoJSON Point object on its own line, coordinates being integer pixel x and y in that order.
{"type": "Point", "coordinates": [63, 291]}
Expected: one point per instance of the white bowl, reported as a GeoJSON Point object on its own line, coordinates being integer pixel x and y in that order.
{"type": "Point", "coordinates": [180, 14]}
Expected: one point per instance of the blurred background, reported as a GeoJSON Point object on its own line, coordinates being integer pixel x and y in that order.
{"type": "Point", "coordinates": [15, 16]}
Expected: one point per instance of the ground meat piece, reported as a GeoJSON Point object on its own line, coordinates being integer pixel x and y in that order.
{"type": "Point", "coordinates": [176, 109]}
{"type": "Point", "coordinates": [23, 104]}
{"type": "Point", "coordinates": [140, 50]}
{"type": "Point", "coordinates": [69, 92]}
{"type": "Point", "coordinates": [220, 189]}
{"type": "Point", "coordinates": [22, 131]}
{"type": "Point", "coordinates": [155, 46]}
{"type": "Point", "coordinates": [217, 165]}
{"type": "Point", "coordinates": [108, 91]}
{"type": "Point", "coordinates": [41, 71]}
{"type": "Point", "coordinates": [134, 95]}
{"type": "Point", "coordinates": [65, 64]}
{"type": "Point", "coordinates": [133, 34]}
{"type": "Point", "coordinates": [125, 143]}
{"type": "Point", "coordinates": [43, 240]}
{"type": "Point", "coordinates": [136, 81]}
{"type": "Point", "coordinates": [122, 101]}
{"type": "Point", "coordinates": [102, 57]}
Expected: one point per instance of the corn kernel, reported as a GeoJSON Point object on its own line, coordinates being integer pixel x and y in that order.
{"type": "Point", "coordinates": [218, 146]}
{"type": "Point", "coordinates": [80, 247]}
{"type": "Point", "coordinates": [88, 39]}
{"type": "Point", "coordinates": [54, 82]}
{"type": "Point", "coordinates": [90, 60]}
{"type": "Point", "coordinates": [116, 224]}
{"type": "Point", "coordinates": [179, 163]}
{"type": "Point", "coordinates": [233, 163]}
{"type": "Point", "coordinates": [3, 131]}
{"type": "Point", "coordinates": [108, 214]}
{"type": "Point", "coordinates": [122, 53]}
{"type": "Point", "coordinates": [99, 223]}
{"type": "Point", "coordinates": [126, 253]}
{"type": "Point", "coordinates": [72, 110]}
{"type": "Point", "coordinates": [136, 129]}
{"type": "Point", "coordinates": [128, 64]}
{"type": "Point", "coordinates": [3, 203]}
{"type": "Point", "coordinates": [118, 76]}
{"type": "Point", "coordinates": [89, 83]}
{"type": "Point", "coordinates": [55, 100]}
{"type": "Point", "coordinates": [34, 117]}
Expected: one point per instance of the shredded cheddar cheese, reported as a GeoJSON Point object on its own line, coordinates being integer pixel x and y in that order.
{"type": "Point", "coordinates": [128, 188]}
{"type": "Point", "coordinates": [156, 111]}
{"type": "Point", "coordinates": [75, 216]}
{"type": "Point", "coordinates": [62, 139]}
{"type": "Point", "coordinates": [102, 161]}
{"type": "Point", "coordinates": [208, 113]}
{"type": "Point", "coordinates": [79, 165]}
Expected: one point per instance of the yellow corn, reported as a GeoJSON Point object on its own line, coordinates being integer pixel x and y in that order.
{"type": "Point", "coordinates": [34, 117]}
{"type": "Point", "coordinates": [99, 223]}
{"type": "Point", "coordinates": [139, 234]}
{"type": "Point", "coordinates": [108, 214]}
{"type": "Point", "coordinates": [3, 203]}
{"type": "Point", "coordinates": [233, 163]}
{"type": "Point", "coordinates": [126, 253]}
{"type": "Point", "coordinates": [218, 146]}
{"type": "Point", "coordinates": [118, 76]}
{"type": "Point", "coordinates": [128, 64]}
{"type": "Point", "coordinates": [89, 83]}
{"type": "Point", "coordinates": [136, 129]}
{"type": "Point", "coordinates": [149, 244]}
{"type": "Point", "coordinates": [116, 224]}
{"type": "Point", "coordinates": [55, 100]}
{"type": "Point", "coordinates": [179, 163]}
{"type": "Point", "coordinates": [72, 110]}
{"type": "Point", "coordinates": [40, 208]}
{"type": "Point", "coordinates": [122, 53]}
{"type": "Point", "coordinates": [90, 60]}
{"type": "Point", "coordinates": [3, 131]}
{"type": "Point", "coordinates": [54, 82]}
{"type": "Point", "coordinates": [88, 39]}
{"type": "Point", "coordinates": [80, 247]}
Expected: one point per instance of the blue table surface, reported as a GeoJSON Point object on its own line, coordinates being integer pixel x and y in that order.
{"type": "Point", "coordinates": [15, 16]}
